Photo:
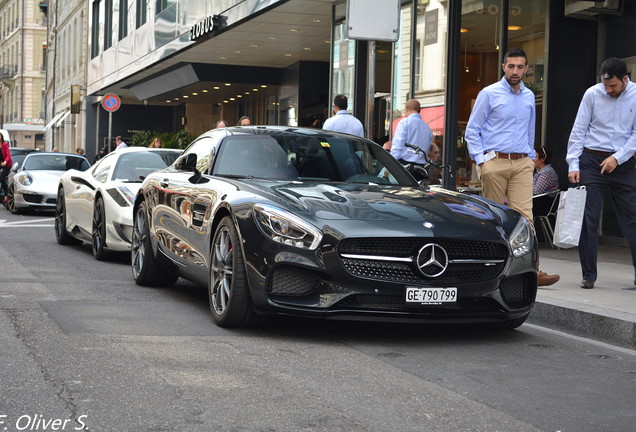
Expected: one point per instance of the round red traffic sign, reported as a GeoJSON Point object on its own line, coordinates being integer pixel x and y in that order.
{"type": "Point", "coordinates": [111, 102]}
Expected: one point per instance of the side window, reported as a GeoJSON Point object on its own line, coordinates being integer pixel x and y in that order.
{"type": "Point", "coordinates": [100, 172]}
{"type": "Point", "coordinates": [204, 149]}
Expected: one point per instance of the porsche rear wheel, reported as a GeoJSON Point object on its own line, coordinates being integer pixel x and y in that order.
{"type": "Point", "coordinates": [61, 235]}
{"type": "Point", "coordinates": [11, 200]}
{"type": "Point", "coordinates": [145, 268]}
{"type": "Point", "coordinates": [230, 301]}
{"type": "Point", "coordinates": [99, 230]}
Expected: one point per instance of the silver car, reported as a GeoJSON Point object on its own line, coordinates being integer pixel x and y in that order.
{"type": "Point", "coordinates": [33, 185]}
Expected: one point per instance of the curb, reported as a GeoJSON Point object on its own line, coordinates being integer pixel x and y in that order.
{"type": "Point", "coordinates": [615, 330]}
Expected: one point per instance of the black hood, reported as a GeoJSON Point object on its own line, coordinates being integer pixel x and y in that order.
{"type": "Point", "coordinates": [402, 210]}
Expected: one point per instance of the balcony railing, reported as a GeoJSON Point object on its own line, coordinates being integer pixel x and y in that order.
{"type": "Point", "coordinates": [8, 71]}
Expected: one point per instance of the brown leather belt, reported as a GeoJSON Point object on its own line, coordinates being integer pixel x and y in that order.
{"type": "Point", "coordinates": [511, 156]}
{"type": "Point", "coordinates": [598, 152]}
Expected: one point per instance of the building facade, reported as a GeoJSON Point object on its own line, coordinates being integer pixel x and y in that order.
{"type": "Point", "coordinates": [67, 60]}
{"type": "Point", "coordinates": [22, 63]}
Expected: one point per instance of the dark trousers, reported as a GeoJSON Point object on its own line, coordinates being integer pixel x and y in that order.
{"type": "Point", "coordinates": [4, 173]}
{"type": "Point", "coordinates": [621, 184]}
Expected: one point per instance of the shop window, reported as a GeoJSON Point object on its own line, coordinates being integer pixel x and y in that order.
{"type": "Point", "coordinates": [343, 61]}
{"type": "Point", "coordinates": [482, 45]}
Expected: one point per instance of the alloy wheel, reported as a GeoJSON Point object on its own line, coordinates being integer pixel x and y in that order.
{"type": "Point", "coordinates": [138, 248]}
{"type": "Point", "coordinates": [11, 199]}
{"type": "Point", "coordinates": [60, 216]}
{"type": "Point", "coordinates": [221, 270]}
{"type": "Point", "coordinates": [99, 229]}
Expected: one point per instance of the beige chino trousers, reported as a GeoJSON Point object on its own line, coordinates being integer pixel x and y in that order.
{"type": "Point", "coordinates": [502, 178]}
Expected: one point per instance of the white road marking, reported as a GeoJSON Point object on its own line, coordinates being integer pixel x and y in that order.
{"type": "Point", "coordinates": [29, 223]}
{"type": "Point", "coordinates": [582, 339]}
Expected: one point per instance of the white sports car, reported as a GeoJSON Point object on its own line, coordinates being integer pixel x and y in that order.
{"type": "Point", "coordinates": [96, 205]}
{"type": "Point", "coordinates": [33, 185]}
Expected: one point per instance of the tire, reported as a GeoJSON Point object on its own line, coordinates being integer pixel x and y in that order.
{"type": "Point", "coordinates": [11, 200]}
{"type": "Point", "coordinates": [230, 301]}
{"type": "Point", "coordinates": [99, 230]}
{"type": "Point", "coordinates": [61, 235]}
{"type": "Point", "coordinates": [146, 270]}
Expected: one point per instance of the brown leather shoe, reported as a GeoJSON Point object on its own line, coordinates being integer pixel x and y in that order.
{"type": "Point", "coordinates": [587, 284]}
{"type": "Point", "coordinates": [547, 279]}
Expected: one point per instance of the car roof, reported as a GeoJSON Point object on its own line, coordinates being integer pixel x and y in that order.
{"type": "Point", "coordinates": [141, 149]}
{"type": "Point", "coordinates": [290, 130]}
{"type": "Point", "coordinates": [21, 150]}
{"type": "Point", "coordinates": [57, 153]}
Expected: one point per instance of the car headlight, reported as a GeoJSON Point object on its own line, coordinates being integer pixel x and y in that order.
{"type": "Point", "coordinates": [25, 179]}
{"type": "Point", "coordinates": [521, 238]}
{"type": "Point", "coordinates": [286, 228]}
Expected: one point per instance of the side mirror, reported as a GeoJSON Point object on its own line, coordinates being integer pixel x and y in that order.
{"type": "Point", "coordinates": [15, 166]}
{"type": "Point", "coordinates": [187, 162]}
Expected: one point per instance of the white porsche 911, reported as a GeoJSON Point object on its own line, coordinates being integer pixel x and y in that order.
{"type": "Point", "coordinates": [96, 205]}
{"type": "Point", "coordinates": [33, 184]}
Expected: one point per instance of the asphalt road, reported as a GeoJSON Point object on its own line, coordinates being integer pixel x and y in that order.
{"type": "Point", "coordinates": [84, 348]}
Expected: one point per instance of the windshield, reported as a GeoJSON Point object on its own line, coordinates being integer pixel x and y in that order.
{"type": "Point", "coordinates": [134, 167]}
{"type": "Point", "coordinates": [168, 156]}
{"type": "Point", "coordinates": [317, 158]}
{"type": "Point", "coordinates": [53, 162]}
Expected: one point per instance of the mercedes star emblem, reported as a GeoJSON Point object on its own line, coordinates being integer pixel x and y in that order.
{"type": "Point", "coordinates": [432, 260]}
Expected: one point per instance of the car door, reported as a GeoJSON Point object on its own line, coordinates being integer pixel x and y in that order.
{"type": "Point", "coordinates": [81, 196]}
{"type": "Point", "coordinates": [182, 206]}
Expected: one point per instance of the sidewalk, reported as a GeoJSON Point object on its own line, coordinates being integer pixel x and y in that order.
{"type": "Point", "coordinates": [606, 313]}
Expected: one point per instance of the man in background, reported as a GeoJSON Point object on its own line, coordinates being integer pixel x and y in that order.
{"type": "Point", "coordinates": [601, 157]}
{"type": "Point", "coordinates": [342, 120]}
{"type": "Point", "coordinates": [120, 144]}
{"type": "Point", "coordinates": [411, 130]}
{"type": "Point", "coordinates": [500, 138]}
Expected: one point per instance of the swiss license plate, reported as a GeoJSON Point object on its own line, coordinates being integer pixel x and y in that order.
{"type": "Point", "coordinates": [430, 296]}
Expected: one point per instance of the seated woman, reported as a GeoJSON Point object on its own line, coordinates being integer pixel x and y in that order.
{"type": "Point", "coordinates": [545, 181]}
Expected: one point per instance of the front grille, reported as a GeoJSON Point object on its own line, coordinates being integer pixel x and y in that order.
{"type": "Point", "coordinates": [518, 291]}
{"type": "Point", "coordinates": [402, 272]}
{"type": "Point", "coordinates": [33, 198]}
{"type": "Point", "coordinates": [288, 281]}
{"type": "Point", "coordinates": [404, 247]}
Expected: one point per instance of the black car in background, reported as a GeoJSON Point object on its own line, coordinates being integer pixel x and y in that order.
{"type": "Point", "coordinates": [316, 223]}
{"type": "Point", "coordinates": [18, 154]}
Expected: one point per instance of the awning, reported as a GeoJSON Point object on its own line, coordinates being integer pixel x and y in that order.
{"type": "Point", "coordinates": [23, 127]}
{"type": "Point", "coordinates": [432, 116]}
{"type": "Point", "coordinates": [55, 119]}
{"type": "Point", "coordinates": [59, 122]}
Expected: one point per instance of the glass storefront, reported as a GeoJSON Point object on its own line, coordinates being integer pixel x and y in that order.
{"type": "Point", "coordinates": [482, 46]}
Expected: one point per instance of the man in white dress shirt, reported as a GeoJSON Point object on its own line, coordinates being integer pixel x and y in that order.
{"type": "Point", "coordinates": [411, 130]}
{"type": "Point", "coordinates": [601, 157]}
{"type": "Point", "coordinates": [343, 120]}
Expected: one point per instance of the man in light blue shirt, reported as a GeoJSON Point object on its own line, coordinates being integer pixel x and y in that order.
{"type": "Point", "coordinates": [500, 138]}
{"type": "Point", "coordinates": [343, 120]}
{"type": "Point", "coordinates": [411, 130]}
{"type": "Point", "coordinates": [601, 156]}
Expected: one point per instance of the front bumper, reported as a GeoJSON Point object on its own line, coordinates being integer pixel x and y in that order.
{"type": "Point", "coordinates": [35, 199]}
{"type": "Point", "coordinates": [334, 286]}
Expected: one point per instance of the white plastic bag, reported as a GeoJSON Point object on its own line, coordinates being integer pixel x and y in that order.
{"type": "Point", "coordinates": [569, 218]}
